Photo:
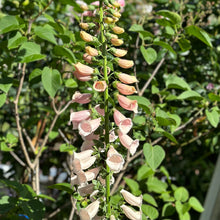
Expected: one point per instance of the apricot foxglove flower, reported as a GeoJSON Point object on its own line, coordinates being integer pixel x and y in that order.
{"type": "Point", "coordinates": [118, 52]}
{"type": "Point", "coordinates": [90, 211]}
{"type": "Point", "coordinates": [88, 126]}
{"type": "Point", "coordinates": [83, 164]}
{"type": "Point", "coordinates": [108, 20]}
{"type": "Point", "coordinates": [77, 117]}
{"type": "Point", "coordinates": [87, 145]}
{"type": "Point", "coordinates": [125, 63]}
{"type": "Point", "coordinates": [127, 79]}
{"type": "Point", "coordinates": [100, 110]}
{"type": "Point", "coordinates": [86, 37]}
{"type": "Point", "coordinates": [117, 42]}
{"type": "Point", "coordinates": [118, 117]}
{"type": "Point", "coordinates": [84, 26]}
{"type": "Point", "coordinates": [83, 154]}
{"type": "Point", "coordinates": [131, 199]}
{"type": "Point", "coordinates": [125, 89]}
{"type": "Point", "coordinates": [81, 98]}
{"type": "Point", "coordinates": [131, 213]}
{"type": "Point", "coordinates": [118, 30]}
{"type": "Point", "coordinates": [86, 190]}
{"type": "Point", "coordinates": [112, 136]}
{"type": "Point", "coordinates": [128, 142]}
{"type": "Point", "coordinates": [91, 51]}
{"type": "Point", "coordinates": [127, 104]}
{"type": "Point", "coordinates": [99, 86]}
{"type": "Point", "coordinates": [81, 77]}
{"type": "Point", "coordinates": [87, 58]}
{"type": "Point", "coordinates": [83, 69]}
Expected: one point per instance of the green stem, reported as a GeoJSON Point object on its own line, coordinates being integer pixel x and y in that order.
{"type": "Point", "coordinates": [106, 97]}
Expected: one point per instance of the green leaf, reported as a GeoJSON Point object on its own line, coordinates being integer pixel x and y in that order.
{"type": "Point", "coordinates": [144, 35]}
{"type": "Point", "coordinates": [149, 199]}
{"type": "Point", "coordinates": [16, 41]}
{"type": "Point", "coordinates": [156, 185]}
{"type": "Point", "coordinates": [182, 209]}
{"type": "Point", "coordinates": [62, 186]}
{"type": "Point", "coordinates": [7, 203]}
{"type": "Point", "coordinates": [139, 120]}
{"type": "Point", "coordinates": [154, 155]}
{"type": "Point", "coordinates": [11, 139]}
{"type": "Point", "coordinates": [4, 147]}
{"type": "Point", "coordinates": [35, 76]}
{"type": "Point", "coordinates": [172, 16]}
{"type": "Point", "coordinates": [2, 99]}
{"type": "Point", "coordinates": [133, 185]}
{"type": "Point", "coordinates": [213, 117]}
{"type": "Point", "coordinates": [191, 95]}
{"type": "Point", "coordinates": [184, 44]}
{"type": "Point", "coordinates": [29, 52]}
{"type": "Point", "coordinates": [163, 118]}
{"type": "Point", "coordinates": [51, 80]}
{"type": "Point", "coordinates": [142, 102]}
{"type": "Point", "coordinates": [46, 33]}
{"type": "Point", "coordinates": [143, 172]}
{"type": "Point", "coordinates": [64, 52]}
{"type": "Point", "coordinates": [168, 210]}
{"type": "Point", "coordinates": [195, 204]}
{"type": "Point", "coordinates": [5, 84]}
{"type": "Point", "coordinates": [175, 82]}
{"type": "Point", "coordinates": [136, 28]}
{"type": "Point", "coordinates": [181, 194]}
{"type": "Point", "coordinates": [43, 196]}
{"type": "Point", "coordinates": [150, 211]}
{"type": "Point", "coordinates": [164, 45]}
{"type": "Point", "coordinates": [199, 33]}
{"type": "Point", "coordinates": [67, 148]}
{"type": "Point", "coordinates": [71, 83]}
{"type": "Point", "coordinates": [149, 54]}
{"type": "Point", "coordinates": [169, 30]}
{"type": "Point", "coordinates": [8, 23]}
{"type": "Point", "coordinates": [213, 97]}
{"type": "Point", "coordinates": [164, 22]}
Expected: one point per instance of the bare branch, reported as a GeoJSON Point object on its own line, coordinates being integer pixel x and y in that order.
{"type": "Point", "coordinates": [29, 140]}
{"type": "Point", "coordinates": [17, 158]}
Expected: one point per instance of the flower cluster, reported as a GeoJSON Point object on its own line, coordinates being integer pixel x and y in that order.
{"type": "Point", "coordinates": [94, 125]}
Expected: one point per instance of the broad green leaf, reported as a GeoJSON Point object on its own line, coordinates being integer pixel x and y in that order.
{"type": "Point", "coordinates": [133, 185]}
{"type": "Point", "coordinates": [8, 23]}
{"type": "Point", "coordinates": [150, 211]}
{"type": "Point", "coordinates": [143, 172]}
{"type": "Point", "coordinates": [184, 44]}
{"type": "Point", "coordinates": [74, 4]}
{"type": "Point", "coordinates": [149, 54]}
{"type": "Point", "coordinates": [182, 209]}
{"type": "Point", "coordinates": [199, 33]}
{"type": "Point", "coordinates": [156, 185]}
{"type": "Point", "coordinates": [170, 136]}
{"type": "Point", "coordinates": [11, 139]}
{"type": "Point", "coordinates": [62, 186]}
{"type": "Point", "coordinates": [29, 52]}
{"type": "Point", "coordinates": [177, 120]}
{"type": "Point", "coordinates": [139, 120]}
{"type": "Point", "coordinates": [164, 22]}
{"type": "Point", "coordinates": [175, 82]}
{"type": "Point", "coordinates": [164, 45]}
{"type": "Point", "coordinates": [149, 199]}
{"type": "Point", "coordinates": [165, 196]}
{"type": "Point", "coordinates": [172, 16]}
{"type": "Point", "coordinates": [181, 194]}
{"type": "Point", "coordinates": [71, 83]}
{"type": "Point", "coordinates": [163, 118]}
{"type": "Point", "coordinates": [16, 41]}
{"type": "Point", "coordinates": [139, 135]}
{"type": "Point", "coordinates": [185, 216]}
{"type": "Point", "coordinates": [43, 196]}
{"type": "Point", "coordinates": [26, 191]}
{"type": "Point", "coordinates": [51, 80]}
{"type": "Point", "coordinates": [169, 30]}
{"type": "Point", "coordinates": [35, 76]}
{"type": "Point", "coordinates": [46, 33]}
{"type": "Point", "coordinates": [7, 203]}
{"type": "Point", "coordinates": [191, 95]}
{"type": "Point", "coordinates": [4, 147]}
{"type": "Point", "coordinates": [195, 204]}
{"type": "Point", "coordinates": [67, 148]}
{"type": "Point", "coordinates": [136, 28]}
{"type": "Point", "coordinates": [2, 99]}
{"type": "Point", "coordinates": [213, 117]}
{"type": "Point", "coordinates": [213, 97]}
{"type": "Point", "coordinates": [142, 102]}
{"type": "Point", "coordinates": [5, 84]}
{"type": "Point", "coordinates": [168, 210]}
{"type": "Point", "coordinates": [154, 155]}
{"type": "Point", "coordinates": [65, 53]}
{"type": "Point", "coordinates": [145, 35]}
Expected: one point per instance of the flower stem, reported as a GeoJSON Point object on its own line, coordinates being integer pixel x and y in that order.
{"type": "Point", "coordinates": [106, 97]}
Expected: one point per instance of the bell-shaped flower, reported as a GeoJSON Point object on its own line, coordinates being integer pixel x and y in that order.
{"type": "Point", "coordinates": [87, 58]}
{"type": "Point", "coordinates": [118, 30]}
{"type": "Point", "coordinates": [127, 79]}
{"type": "Point", "coordinates": [128, 142]}
{"type": "Point", "coordinates": [125, 63]}
{"type": "Point", "coordinates": [102, 181]}
{"type": "Point", "coordinates": [92, 197]}
{"type": "Point", "coordinates": [83, 69]}
{"type": "Point", "coordinates": [81, 77]}
{"type": "Point", "coordinates": [99, 86]}
{"type": "Point", "coordinates": [86, 37]}
{"type": "Point", "coordinates": [90, 211]}
{"type": "Point", "coordinates": [90, 137]}
{"type": "Point", "coordinates": [88, 127]}
{"type": "Point", "coordinates": [81, 98]}
{"type": "Point", "coordinates": [91, 51]}
{"type": "Point", "coordinates": [127, 103]}
{"type": "Point", "coordinates": [117, 42]}
{"type": "Point", "coordinates": [118, 117]}
{"type": "Point", "coordinates": [131, 199]}
{"type": "Point", "coordinates": [131, 213]}
{"type": "Point", "coordinates": [79, 165]}
{"type": "Point", "coordinates": [125, 89]}
{"type": "Point", "coordinates": [87, 145]}
{"type": "Point", "coordinates": [77, 117]}
{"type": "Point", "coordinates": [101, 111]}
{"type": "Point", "coordinates": [118, 52]}
{"type": "Point", "coordinates": [86, 190]}
{"type": "Point", "coordinates": [92, 173]}
{"type": "Point", "coordinates": [112, 136]}
{"type": "Point", "coordinates": [82, 155]}
{"type": "Point", "coordinates": [115, 161]}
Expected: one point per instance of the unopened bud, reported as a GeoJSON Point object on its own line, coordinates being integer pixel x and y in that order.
{"type": "Point", "coordinates": [118, 30]}
{"type": "Point", "coordinates": [108, 20]}
{"type": "Point", "coordinates": [86, 37]}
{"type": "Point", "coordinates": [125, 63]}
{"type": "Point", "coordinates": [84, 7]}
{"type": "Point", "coordinates": [118, 52]}
{"type": "Point", "coordinates": [91, 51]}
{"type": "Point", "coordinates": [117, 42]}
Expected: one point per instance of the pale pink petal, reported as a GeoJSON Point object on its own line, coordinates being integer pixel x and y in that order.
{"type": "Point", "coordinates": [81, 98]}
{"type": "Point", "coordinates": [128, 104]}
{"type": "Point", "coordinates": [125, 125]}
{"type": "Point", "coordinates": [88, 127]}
{"type": "Point", "coordinates": [81, 77]}
{"type": "Point", "coordinates": [118, 117]}
{"type": "Point", "coordinates": [101, 111]}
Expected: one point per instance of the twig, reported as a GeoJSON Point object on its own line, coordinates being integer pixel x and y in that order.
{"type": "Point", "coordinates": [17, 158]}
{"type": "Point", "coordinates": [63, 136]}
{"type": "Point", "coordinates": [57, 211]}
{"type": "Point", "coordinates": [73, 201]}
{"type": "Point", "coordinates": [29, 140]}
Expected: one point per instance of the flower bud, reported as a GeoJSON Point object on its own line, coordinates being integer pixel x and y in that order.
{"type": "Point", "coordinates": [125, 89]}
{"type": "Point", "coordinates": [81, 98]}
{"type": "Point", "coordinates": [108, 20]}
{"type": "Point", "coordinates": [118, 30]}
{"type": "Point", "coordinates": [118, 52]}
{"type": "Point", "coordinates": [116, 14]}
{"type": "Point", "coordinates": [83, 69]}
{"type": "Point", "coordinates": [84, 7]}
{"type": "Point", "coordinates": [131, 199]}
{"type": "Point", "coordinates": [125, 63]}
{"type": "Point", "coordinates": [84, 26]}
{"type": "Point", "coordinates": [81, 77]}
{"type": "Point", "coordinates": [127, 103]}
{"type": "Point", "coordinates": [130, 213]}
{"type": "Point", "coordinates": [115, 3]}
{"type": "Point", "coordinates": [112, 217]}
{"type": "Point", "coordinates": [99, 86]}
{"type": "Point", "coordinates": [117, 42]}
{"type": "Point", "coordinates": [86, 37]}
{"type": "Point", "coordinates": [87, 58]}
{"type": "Point", "coordinates": [125, 78]}
{"type": "Point", "coordinates": [91, 51]}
